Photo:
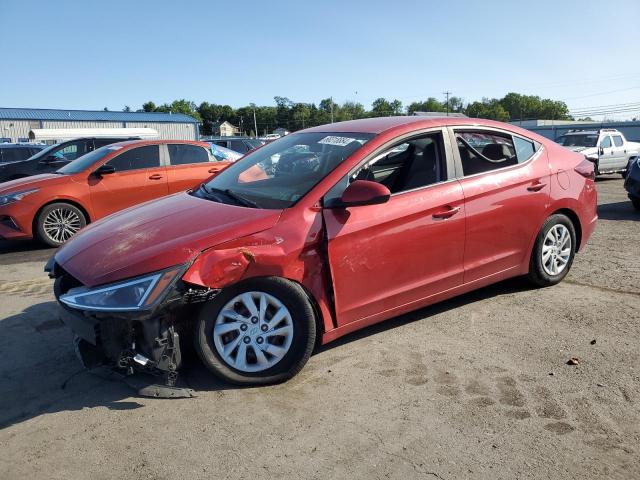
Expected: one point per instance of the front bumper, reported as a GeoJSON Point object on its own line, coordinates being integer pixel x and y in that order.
{"type": "Point", "coordinates": [150, 341]}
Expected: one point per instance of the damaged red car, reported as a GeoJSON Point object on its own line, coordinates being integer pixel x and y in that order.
{"type": "Point", "coordinates": [320, 233]}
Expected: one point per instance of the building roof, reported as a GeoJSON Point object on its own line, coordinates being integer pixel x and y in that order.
{"type": "Point", "coordinates": [92, 115]}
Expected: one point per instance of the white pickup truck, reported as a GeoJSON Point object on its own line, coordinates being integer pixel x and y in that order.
{"type": "Point", "coordinates": [607, 148]}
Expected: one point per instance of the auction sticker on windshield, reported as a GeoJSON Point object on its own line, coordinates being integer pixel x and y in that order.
{"type": "Point", "coordinates": [338, 141]}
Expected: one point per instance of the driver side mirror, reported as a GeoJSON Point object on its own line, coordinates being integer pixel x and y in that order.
{"type": "Point", "coordinates": [104, 170]}
{"type": "Point", "coordinates": [364, 192]}
{"type": "Point", "coordinates": [601, 150]}
{"type": "Point", "coordinates": [50, 159]}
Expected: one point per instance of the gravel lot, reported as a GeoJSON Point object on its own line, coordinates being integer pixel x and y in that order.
{"type": "Point", "coordinates": [476, 387]}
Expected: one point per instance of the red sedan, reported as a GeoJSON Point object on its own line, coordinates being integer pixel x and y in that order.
{"type": "Point", "coordinates": [321, 233]}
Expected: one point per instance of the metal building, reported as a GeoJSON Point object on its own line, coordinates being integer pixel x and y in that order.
{"type": "Point", "coordinates": [15, 123]}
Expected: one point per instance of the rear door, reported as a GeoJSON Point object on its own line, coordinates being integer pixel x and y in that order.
{"type": "Point", "coordinates": [138, 177]}
{"type": "Point", "coordinates": [506, 182]}
{"type": "Point", "coordinates": [399, 253]}
{"type": "Point", "coordinates": [189, 165]}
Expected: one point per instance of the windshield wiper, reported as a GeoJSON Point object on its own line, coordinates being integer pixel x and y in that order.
{"type": "Point", "coordinates": [240, 199]}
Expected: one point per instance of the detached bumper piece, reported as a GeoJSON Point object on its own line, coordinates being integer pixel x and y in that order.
{"type": "Point", "coordinates": [144, 342]}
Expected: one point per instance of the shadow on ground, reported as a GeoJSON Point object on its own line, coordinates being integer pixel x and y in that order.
{"type": "Point", "coordinates": [618, 211]}
{"type": "Point", "coordinates": [41, 375]}
{"type": "Point", "coordinates": [23, 251]}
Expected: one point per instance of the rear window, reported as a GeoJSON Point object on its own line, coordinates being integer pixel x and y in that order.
{"type": "Point", "coordinates": [182, 154]}
{"type": "Point", "coordinates": [617, 140]}
{"type": "Point", "coordinates": [14, 154]}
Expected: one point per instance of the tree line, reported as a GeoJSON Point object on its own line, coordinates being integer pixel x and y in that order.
{"type": "Point", "coordinates": [298, 115]}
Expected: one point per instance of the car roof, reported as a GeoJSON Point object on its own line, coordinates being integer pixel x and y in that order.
{"type": "Point", "coordinates": [128, 143]}
{"type": "Point", "coordinates": [21, 145]}
{"type": "Point", "coordinates": [215, 139]}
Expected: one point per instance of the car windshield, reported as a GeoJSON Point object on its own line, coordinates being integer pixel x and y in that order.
{"type": "Point", "coordinates": [86, 161]}
{"type": "Point", "coordinates": [578, 140]}
{"type": "Point", "coordinates": [279, 174]}
{"type": "Point", "coordinates": [46, 151]}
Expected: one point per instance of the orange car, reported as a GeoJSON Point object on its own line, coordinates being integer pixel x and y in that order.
{"type": "Point", "coordinates": [53, 207]}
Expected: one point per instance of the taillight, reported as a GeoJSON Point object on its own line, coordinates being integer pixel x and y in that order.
{"type": "Point", "coordinates": [587, 169]}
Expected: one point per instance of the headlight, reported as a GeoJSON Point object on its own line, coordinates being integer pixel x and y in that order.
{"type": "Point", "coordinates": [592, 157]}
{"type": "Point", "coordinates": [135, 294]}
{"type": "Point", "coordinates": [15, 196]}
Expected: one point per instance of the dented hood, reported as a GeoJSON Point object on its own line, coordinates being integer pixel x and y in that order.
{"type": "Point", "coordinates": [156, 235]}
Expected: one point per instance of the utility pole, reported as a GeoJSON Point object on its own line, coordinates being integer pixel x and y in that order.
{"type": "Point", "coordinates": [255, 124]}
{"type": "Point", "coordinates": [331, 100]}
{"type": "Point", "coordinates": [447, 93]}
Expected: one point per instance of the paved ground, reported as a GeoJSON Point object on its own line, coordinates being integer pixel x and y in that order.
{"type": "Point", "coordinates": [477, 387]}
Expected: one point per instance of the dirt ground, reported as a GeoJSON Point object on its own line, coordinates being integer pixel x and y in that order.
{"type": "Point", "coordinates": [476, 387]}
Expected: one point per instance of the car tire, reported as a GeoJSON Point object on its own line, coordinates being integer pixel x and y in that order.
{"type": "Point", "coordinates": [58, 222]}
{"type": "Point", "coordinates": [551, 258]}
{"type": "Point", "coordinates": [635, 201]}
{"type": "Point", "coordinates": [230, 347]}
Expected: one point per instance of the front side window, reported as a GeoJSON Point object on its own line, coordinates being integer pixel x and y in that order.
{"type": "Point", "coordinates": [183, 154]}
{"type": "Point", "coordinates": [485, 151]}
{"type": "Point", "coordinates": [137, 158]}
{"type": "Point", "coordinates": [279, 174]}
{"type": "Point", "coordinates": [617, 140]}
{"type": "Point", "coordinates": [71, 151]}
{"type": "Point", "coordinates": [606, 142]}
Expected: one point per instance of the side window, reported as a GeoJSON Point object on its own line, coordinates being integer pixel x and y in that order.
{"type": "Point", "coordinates": [606, 142]}
{"type": "Point", "coordinates": [485, 151]}
{"type": "Point", "coordinates": [413, 164]}
{"type": "Point", "coordinates": [617, 140]}
{"type": "Point", "coordinates": [222, 143]}
{"type": "Point", "coordinates": [181, 154]}
{"type": "Point", "coordinates": [137, 158]}
{"type": "Point", "coordinates": [524, 149]}
{"type": "Point", "coordinates": [71, 151]}
{"type": "Point", "coordinates": [238, 146]}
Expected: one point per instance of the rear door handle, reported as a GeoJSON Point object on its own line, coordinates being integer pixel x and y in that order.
{"type": "Point", "coordinates": [155, 176]}
{"type": "Point", "coordinates": [450, 212]}
{"type": "Point", "coordinates": [536, 187]}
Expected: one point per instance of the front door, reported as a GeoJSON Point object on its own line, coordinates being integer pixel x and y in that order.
{"type": "Point", "coordinates": [138, 177]}
{"type": "Point", "coordinates": [402, 252]}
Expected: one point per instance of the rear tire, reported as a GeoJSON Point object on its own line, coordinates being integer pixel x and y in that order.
{"type": "Point", "coordinates": [58, 222]}
{"type": "Point", "coordinates": [250, 344]}
{"type": "Point", "coordinates": [553, 251]}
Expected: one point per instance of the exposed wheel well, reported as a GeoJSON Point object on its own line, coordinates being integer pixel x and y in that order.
{"type": "Point", "coordinates": [576, 224]}
{"type": "Point", "coordinates": [62, 200]}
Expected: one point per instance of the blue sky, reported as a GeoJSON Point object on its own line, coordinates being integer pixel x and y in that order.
{"type": "Point", "coordinates": [92, 54]}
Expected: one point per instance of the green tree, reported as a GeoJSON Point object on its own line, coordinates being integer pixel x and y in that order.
{"type": "Point", "coordinates": [149, 107]}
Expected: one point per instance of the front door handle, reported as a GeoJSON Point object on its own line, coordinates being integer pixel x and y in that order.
{"type": "Point", "coordinates": [213, 170]}
{"type": "Point", "coordinates": [155, 176]}
{"type": "Point", "coordinates": [536, 187]}
{"type": "Point", "coordinates": [449, 212]}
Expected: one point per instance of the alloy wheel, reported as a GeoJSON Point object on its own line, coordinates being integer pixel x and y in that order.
{"type": "Point", "coordinates": [556, 250]}
{"type": "Point", "coordinates": [253, 331]}
{"type": "Point", "coordinates": [61, 224]}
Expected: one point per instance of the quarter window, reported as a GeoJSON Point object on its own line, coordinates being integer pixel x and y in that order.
{"type": "Point", "coordinates": [617, 140]}
{"type": "Point", "coordinates": [182, 154]}
{"type": "Point", "coordinates": [483, 151]}
{"type": "Point", "coordinates": [137, 158]}
{"type": "Point", "coordinates": [606, 142]}
{"type": "Point", "coordinates": [524, 149]}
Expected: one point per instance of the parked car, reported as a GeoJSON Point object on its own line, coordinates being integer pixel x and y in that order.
{"type": "Point", "coordinates": [632, 182]}
{"type": "Point", "coordinates": [222, 153]}
{"type": "Point", "coordinates": [53, 207]}
{"type": "Point", "coordinates": [607, 148]}
{"type": "Point", "coordinates": [14, 152]}
{"type": "Point", "coordinates": [237, 144]}
{"type": "Point", "coordinates": [50, 159]}
{"type": "Point", "coordinates": [362, 221]}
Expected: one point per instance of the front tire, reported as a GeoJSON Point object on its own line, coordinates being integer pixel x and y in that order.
{"type": "Point", "coordinates": [635, 201]}
{"type": "Point", "coordinates": [553, 251]}
{"type": "Point", "coordinates": [58, 222]}
{"type": "Point", "coordinates": [259, 332]}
